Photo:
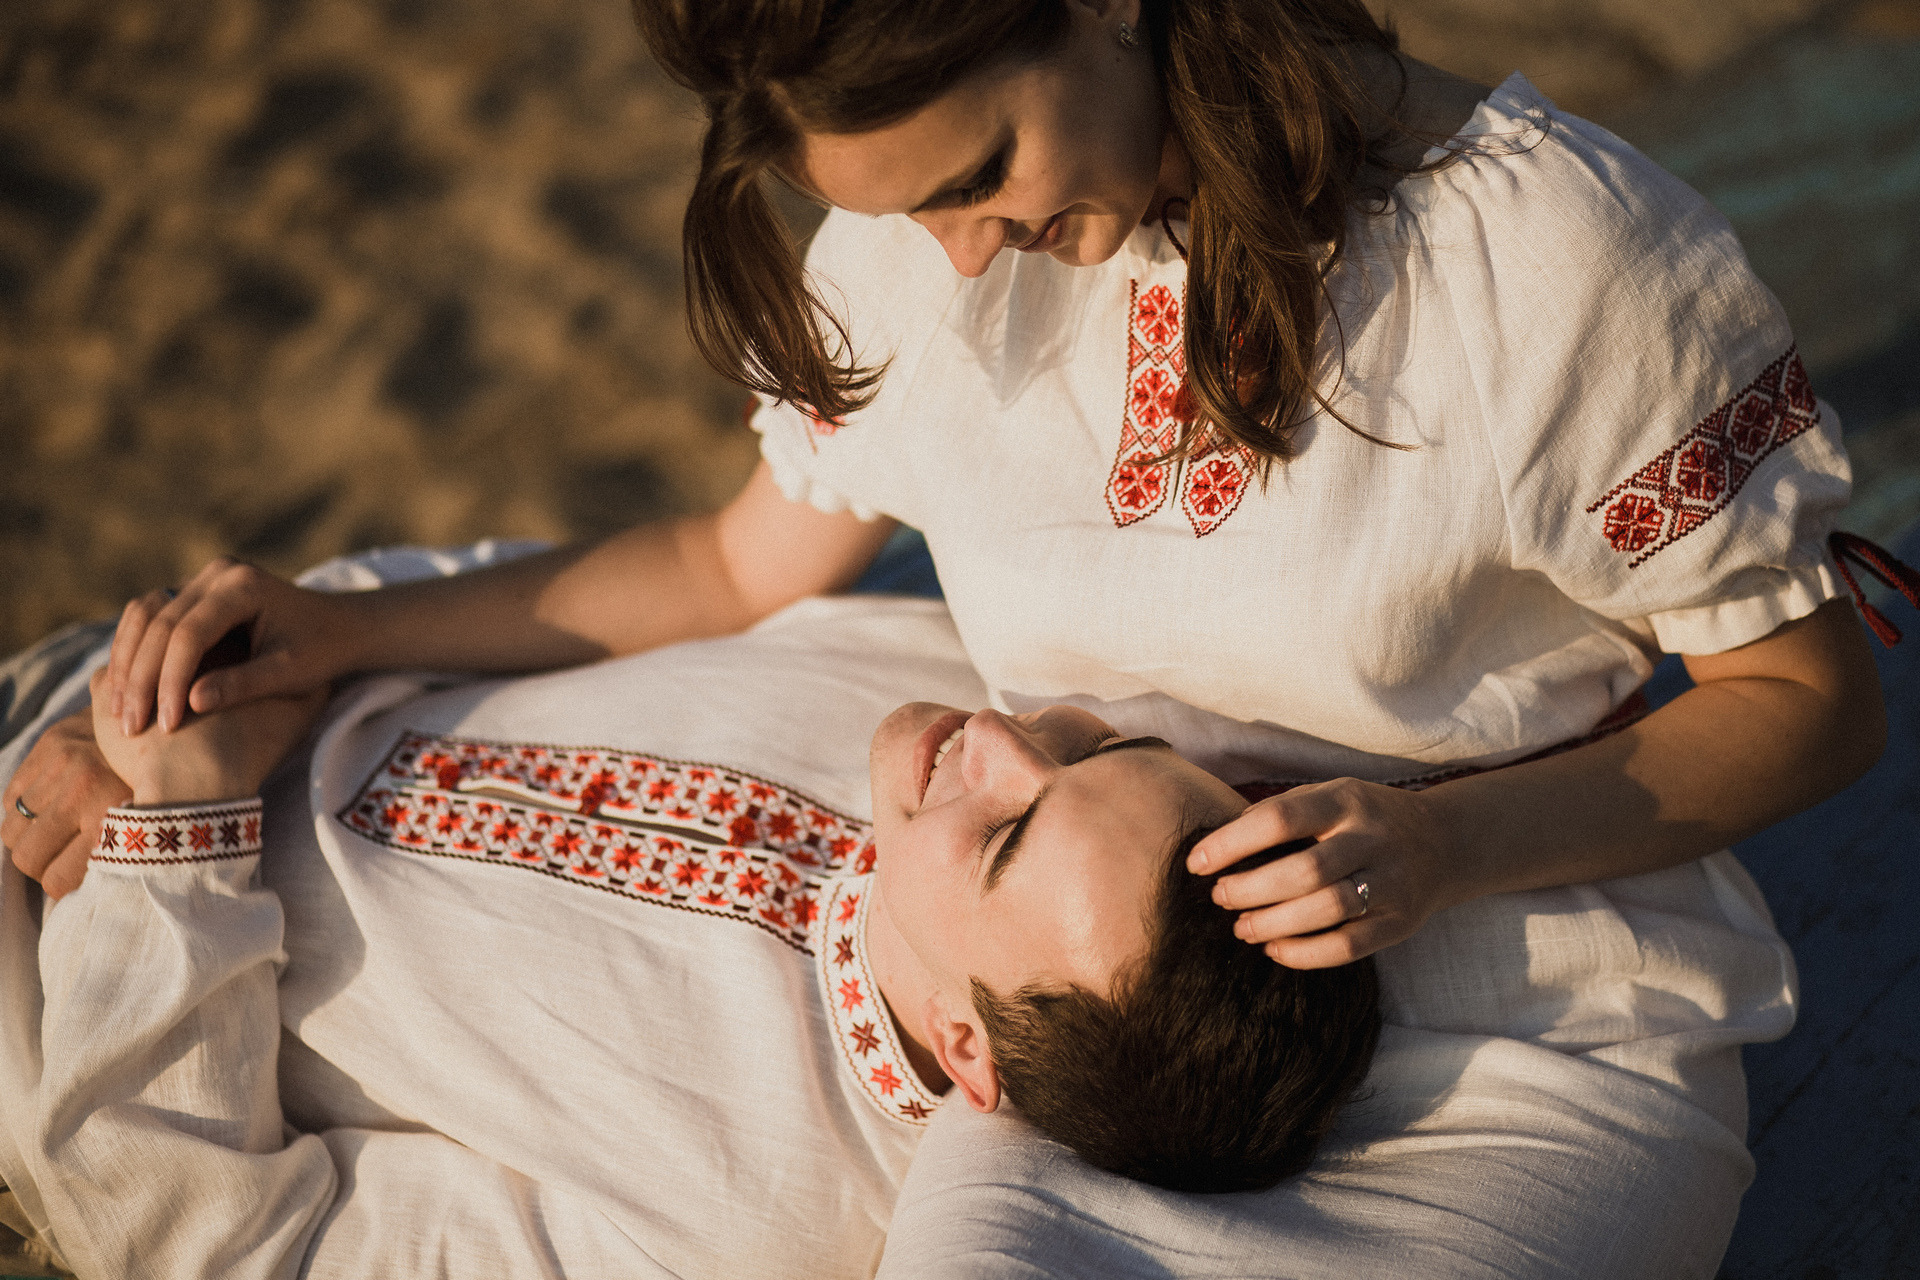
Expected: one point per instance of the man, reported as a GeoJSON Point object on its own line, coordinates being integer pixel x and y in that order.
{"type": "Point", "coordinates": [539, 990]}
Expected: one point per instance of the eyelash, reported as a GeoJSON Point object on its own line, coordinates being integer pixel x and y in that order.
{"type": "Point", "coordinates": [993, 831]}
{"type": "Point", "coordinates": [988, 185]}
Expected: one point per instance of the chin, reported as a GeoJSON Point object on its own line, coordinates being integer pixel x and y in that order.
{"type": "Point", "coordinates": [1098, 241]}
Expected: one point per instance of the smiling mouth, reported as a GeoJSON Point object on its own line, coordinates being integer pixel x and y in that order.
{"type": "Point", "coordinates": [935, 741]}
{"type": "Point", "coordinates": [1037, 243]}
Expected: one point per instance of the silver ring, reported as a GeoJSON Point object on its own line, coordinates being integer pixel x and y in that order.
{"type": "Point", "coordinates": [20, 807]}
{"type": "Point", "coordinates": [1366, 896]}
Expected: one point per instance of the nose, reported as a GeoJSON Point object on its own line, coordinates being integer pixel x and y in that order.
{"type": "Point", "coordinates": [1001, 753]}
{"type": "Point", "coordinates": [971, 241]}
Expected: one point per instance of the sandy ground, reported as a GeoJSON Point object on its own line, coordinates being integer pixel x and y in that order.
{"type": "Point", "coordinates": [285, 278]}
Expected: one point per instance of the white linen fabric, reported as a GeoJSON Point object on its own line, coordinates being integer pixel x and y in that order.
{"type": "Point", "coordinates": [532, 980]}
{"type": "Point", "coordinates": [1612, 449]}
{"type": "Point", "coordinates": [516, 1070]}
{"type": "Point", "coordinates": [1557, 1094]}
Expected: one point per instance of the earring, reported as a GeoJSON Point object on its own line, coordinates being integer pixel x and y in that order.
{"type": "Point", "coordinates": [1129, 38]}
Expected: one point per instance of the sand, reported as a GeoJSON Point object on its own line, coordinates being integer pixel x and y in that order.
{"type": "Point", "coordinates": [284, 278]}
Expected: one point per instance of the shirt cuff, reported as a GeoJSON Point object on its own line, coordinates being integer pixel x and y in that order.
{"type": "Point", "coordinates": [165, 835]}
{"type": "Point", "coordinates": [1716, 628]}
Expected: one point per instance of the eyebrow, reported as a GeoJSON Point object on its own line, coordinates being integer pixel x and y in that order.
{"type": "Point", "coordinates": [954, 186]}
{"type": "Point", "coordinates": [1011, 848]}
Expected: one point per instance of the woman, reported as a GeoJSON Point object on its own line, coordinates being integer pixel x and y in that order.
{"type": "Point", "coordinates": [1421, 454]}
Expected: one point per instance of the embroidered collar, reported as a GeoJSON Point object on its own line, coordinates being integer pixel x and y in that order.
{"type": "Point", "coordinates": [862, 1027]}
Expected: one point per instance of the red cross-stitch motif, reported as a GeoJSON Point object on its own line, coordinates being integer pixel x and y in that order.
{"type": "Point", "coordinates": [1692, 482]}
{"type": "Point", "coordinates": [1150, 423]}
{"type": "Point", "coordinates": [869, 1043]}
{"type": "Point", "coordinates": [1157, 407]}
{"type": "Point", "coordinates": [693, 836]}
{"type": "Point", "coordinates": [1216, 481]}
{"type": "Point", "coordinates": [188, 833]}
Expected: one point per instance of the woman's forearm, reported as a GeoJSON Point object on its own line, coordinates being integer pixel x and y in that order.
{"type": "Point", "coordinates": [676, 579]}
{"type": "Point", "coordinates": [639, 588]}
{"type": "Point", "coordinates": [1768, 730]}
{"type": "Point", "coordinates": [673, 580]}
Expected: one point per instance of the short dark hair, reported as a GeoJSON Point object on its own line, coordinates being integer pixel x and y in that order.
{"type": "Point", "coordinates": [1210, 1068]}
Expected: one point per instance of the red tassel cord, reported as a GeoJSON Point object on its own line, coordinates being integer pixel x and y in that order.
{"type": "Point", "coordinates": [1877, 561]}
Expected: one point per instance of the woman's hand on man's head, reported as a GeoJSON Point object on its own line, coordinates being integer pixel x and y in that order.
{"type": "Point", "coordinates": [159, 669]}
{"type": "Point", "coordinates": [1308, 908]}
{"type": "Point", "coordinates": [223, 755]}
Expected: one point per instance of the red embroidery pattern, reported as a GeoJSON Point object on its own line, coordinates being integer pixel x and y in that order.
{"type": "Point", "coordinates": [1693, 481]}
{"type": "Point", "coordinates": [862, 1027]}
{"type": "Point", "coordinates": [738, 846]}
{"type": "Point", "coordinates": [189, 833]}
{"type": "Point", "coordinates": [1216, 481]}
{"type": "Point", "coordinates": [1157, 407]}
{"type": "Point", "coordinates": [819, 427]}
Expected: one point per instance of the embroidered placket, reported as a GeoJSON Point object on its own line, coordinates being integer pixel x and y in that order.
{"type": "Point", "coordinates": [1213, 481]}
{"type": "Point", "coordinates": [698, 837]}
{"type": "Point", "coordinates": [863, 1028]}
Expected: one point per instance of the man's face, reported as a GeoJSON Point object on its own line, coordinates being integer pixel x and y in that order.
{"type": "Point", "coordinates": [1030, 852]}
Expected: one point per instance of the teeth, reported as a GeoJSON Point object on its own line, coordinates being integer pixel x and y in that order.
{"type": "Point", "coordinates": [947, 746]}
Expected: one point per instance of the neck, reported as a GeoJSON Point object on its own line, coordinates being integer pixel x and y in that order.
{"type": "Point", "coordinates": [906, 986]}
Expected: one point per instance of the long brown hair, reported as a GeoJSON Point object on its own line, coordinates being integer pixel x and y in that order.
{"type": "Point", "coordinates": [1266, 95]}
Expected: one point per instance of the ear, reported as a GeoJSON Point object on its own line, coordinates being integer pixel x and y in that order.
{"type": "Point", "coordinates": [960, 1045]}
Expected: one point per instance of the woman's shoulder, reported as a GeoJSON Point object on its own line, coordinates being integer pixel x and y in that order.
{"type": "Point", "coordinates": [1555, 242]}
{"type": "Point", "coordinates": [1542, 188]}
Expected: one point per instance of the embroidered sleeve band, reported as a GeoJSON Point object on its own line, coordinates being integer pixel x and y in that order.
{"type": "Point", "coordinates": [184, 833]}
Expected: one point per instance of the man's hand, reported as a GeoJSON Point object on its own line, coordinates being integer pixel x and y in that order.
{"type": "Point", "coordinates": [68, 786]}
{"type": "Point", "coordinates": [222, 756]}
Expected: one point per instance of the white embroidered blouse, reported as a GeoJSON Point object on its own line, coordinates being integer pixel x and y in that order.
{"type": "Point", "coordinates": [1613, 450]}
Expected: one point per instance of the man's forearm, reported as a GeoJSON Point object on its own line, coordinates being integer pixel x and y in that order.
{"type": "Point", "coordinates": [154, 1138]}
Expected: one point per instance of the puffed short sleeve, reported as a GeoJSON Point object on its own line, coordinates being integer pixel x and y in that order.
{"type": "Point", "coordinates": [887, 282]}
{"type": "Point", "coordinates": [1663, 458]}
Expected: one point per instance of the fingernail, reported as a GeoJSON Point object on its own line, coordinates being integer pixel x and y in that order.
{"type": "Point", "coordinates": [1197, 862]}
{"type": "Point", "coordinates": [126, 724]}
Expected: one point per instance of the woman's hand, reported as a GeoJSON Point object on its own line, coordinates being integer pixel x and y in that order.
{"type": "Point", "coordinates": [1306, 907]}
{"type": "Point", "coordinates": [68, 786]}
{"type": "Point", "coordinates": [159, 669]}
{"type": "Point", "coordinates": [220, 756]}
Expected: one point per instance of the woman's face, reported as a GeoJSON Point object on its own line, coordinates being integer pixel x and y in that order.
{"type": "Point", "coordinates": [1064, 157]}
